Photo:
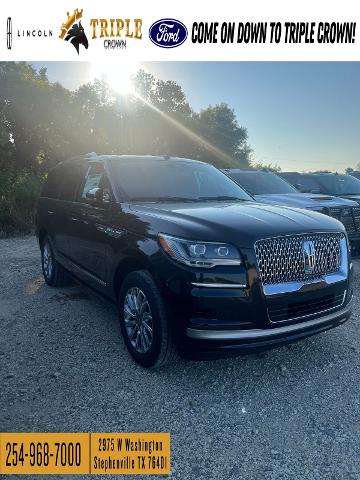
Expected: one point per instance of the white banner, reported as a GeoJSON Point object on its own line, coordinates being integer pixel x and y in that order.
{"type": "Point", "coordinates": [141, 30]}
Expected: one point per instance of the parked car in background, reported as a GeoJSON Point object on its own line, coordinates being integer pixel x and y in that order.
{"type": "Point", "coordinates": [268, 187]}
{"type": "Point", "coordinates": [342, 186]}
{"type": "Point", "coordinates": [193, 263]}
{"type": "Point", "coordinates": [355, 173]}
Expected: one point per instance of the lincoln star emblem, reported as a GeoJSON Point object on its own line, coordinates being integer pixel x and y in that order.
{"type": "Point", "coordinates": [309, 256]}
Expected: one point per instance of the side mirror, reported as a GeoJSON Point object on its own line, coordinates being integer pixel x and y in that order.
{"type": "Point", "coordinates": [98, 195]}
{"type": "Point", "coordinates": [95, 195]}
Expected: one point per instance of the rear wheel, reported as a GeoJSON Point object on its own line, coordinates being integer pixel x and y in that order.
{"type": "Point", "coordinates": [144, 321]}
{"type": "Point", "coordinates": [54, 274]}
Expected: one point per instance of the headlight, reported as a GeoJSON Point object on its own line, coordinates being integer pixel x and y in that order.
{"type": "Point", "coordinates": [199, 254]}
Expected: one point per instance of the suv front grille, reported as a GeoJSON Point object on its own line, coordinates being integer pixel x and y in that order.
{"type": "Point", "coordinates": [356, 213]}
{"type": "Point", "coordinates": [281, 259]}
{"type": "Point", "coordinates": [350, 217]}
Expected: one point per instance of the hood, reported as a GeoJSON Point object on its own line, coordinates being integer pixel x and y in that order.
{"type": "Point", "coordinates": [304, 200]}
{"type": "Point", "coordinates": [354, 198]}
{"type": "Point", "coordinates": [240, 223]}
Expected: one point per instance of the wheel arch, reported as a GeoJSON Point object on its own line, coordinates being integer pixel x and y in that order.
{"type": "Point", "coordinates": [126, 266]}
{"type": "Point", "coordinates": [41, 235]}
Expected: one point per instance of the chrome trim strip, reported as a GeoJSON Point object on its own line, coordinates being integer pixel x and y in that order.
{"type": "Point", "coordinates": [82, 270]}
{"type": "Point", "coordinates": [331, 278]}
{"type": "Point", "coordinates": [265, 333]}
{"type": "Point", "coordinates": [85, 272]}
{"type": "Point", "coordinates": [218, 285]}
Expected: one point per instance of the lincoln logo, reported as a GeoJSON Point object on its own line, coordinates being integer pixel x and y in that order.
{"type": "Point", "coordinates": [9, 33]}
{"type": "Point", "coordinates": [309, 256]}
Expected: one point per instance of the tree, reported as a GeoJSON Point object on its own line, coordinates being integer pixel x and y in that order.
{"type": "Point", "coordinates": [271, 167]}
{"type": "Point", "coordinates": [42, 123]}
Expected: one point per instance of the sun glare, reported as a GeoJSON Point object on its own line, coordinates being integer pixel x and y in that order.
{"type": "Point", "coordinates": [118, 77]}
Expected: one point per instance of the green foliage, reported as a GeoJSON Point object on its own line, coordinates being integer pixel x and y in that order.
{"type": "Point", "coordinates": [42, 123]}
{"type": "Point", "coordinates": [271, 167]}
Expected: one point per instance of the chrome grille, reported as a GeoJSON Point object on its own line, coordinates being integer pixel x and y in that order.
{"type": "Point", "coordinates": [281, 259]}
{"type": "Point", "coordinates": [356, 212]}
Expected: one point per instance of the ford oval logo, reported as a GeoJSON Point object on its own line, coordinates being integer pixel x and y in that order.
{"type": "Point", "coordinates": [168, 33]}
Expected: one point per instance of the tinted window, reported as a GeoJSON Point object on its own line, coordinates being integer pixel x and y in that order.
{"type": "Point", "coordinates": [292, 178]}
{"type": "Point", "coordinates": [148, 179]}
{"type": "Point", "coordinates": [51, 188]}
{"type": "Point", "coordinates": [339, 184]}
{"type": "Point", "coordinates": [262, 183]}
{"type": "Point", "coordinates": [355, 175]}
{"type": "Point", "coordinates": [71, 177]}
{"type": "Point", "coordinates": [309, 184]}
{"type": "Point", "coordinates": [95, 178]}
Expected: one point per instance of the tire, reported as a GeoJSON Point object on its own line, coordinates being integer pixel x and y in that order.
{"type": "Point", "coordinates": [54, 274]}
{"type": "Point", "coordinates": [142, 308]}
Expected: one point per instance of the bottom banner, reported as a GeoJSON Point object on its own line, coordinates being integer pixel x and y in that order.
{"type": "Point", "coordinates": [84, 453]}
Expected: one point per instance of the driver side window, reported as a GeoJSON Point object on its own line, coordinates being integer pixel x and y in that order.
{"type": "Point", "coordinates": [93, 179]}
{"type": "Point", "coordinates": [96, 178]}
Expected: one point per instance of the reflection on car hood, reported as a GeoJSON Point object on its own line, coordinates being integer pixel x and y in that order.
{"type": "Point", "coordinates": [240, 223]}
{"type": "Point", "coordinates": [355, 198]}
{"type": "Point", "coordinates": [305, 200]}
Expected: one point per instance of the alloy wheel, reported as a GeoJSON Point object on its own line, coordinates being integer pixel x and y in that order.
{"type": "Point", "coordinates": [138, 320]}
{"type": "Point", "coordinates": [47, 260]}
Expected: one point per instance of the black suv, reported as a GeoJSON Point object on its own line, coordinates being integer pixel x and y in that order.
{"type": "Point", "coordinates": [338, 185]}
{"type": "Point", "coordinates": [194, 264]}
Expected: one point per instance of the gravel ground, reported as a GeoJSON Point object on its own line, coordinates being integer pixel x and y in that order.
{"type": "Point", "coordinates": [291, 413]}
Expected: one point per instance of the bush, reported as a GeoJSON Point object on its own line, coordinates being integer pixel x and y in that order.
{"type": "Point", "coordinates": [18, 197]}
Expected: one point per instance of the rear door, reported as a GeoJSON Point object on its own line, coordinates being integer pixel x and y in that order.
{"type": "Point", "coordinates": [60, 193]}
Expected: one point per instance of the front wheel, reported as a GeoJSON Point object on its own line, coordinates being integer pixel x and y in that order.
{"type": "Point", "coordinates": [144, 321]}
{"type": "Point", "coordinates": [54, 273]}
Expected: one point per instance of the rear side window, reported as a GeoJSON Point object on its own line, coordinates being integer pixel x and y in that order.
{"type": "Point", "coordinates": [51, 188]}
{"type": "Point", "coordinates": [72, 177]}
{"type": "Point", "coordinates": [64, 181]}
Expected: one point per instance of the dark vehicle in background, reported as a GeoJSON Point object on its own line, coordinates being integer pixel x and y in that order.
{"type": "Point", "coordinates": [354, 173]}
{"type": "Point", "coordinates": [194, 264]}
{"type": "Point", "coordinates": [341, 186]}
{"type": "Point", "coordinates": [268, 187]}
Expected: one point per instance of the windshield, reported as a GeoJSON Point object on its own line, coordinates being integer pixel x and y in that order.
{"type": "Point", "coordinates": [339, 184]}
{"type": "Point", "coordinates": [262, 183]}
{"type": "Point", "coordinates": [144, 179]}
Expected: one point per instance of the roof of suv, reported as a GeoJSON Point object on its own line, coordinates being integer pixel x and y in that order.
{"type": "Point", "coordinates": [100, 158]}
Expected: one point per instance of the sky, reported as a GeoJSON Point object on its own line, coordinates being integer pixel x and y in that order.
{"type": "Point", "coordinates": [299, 115]}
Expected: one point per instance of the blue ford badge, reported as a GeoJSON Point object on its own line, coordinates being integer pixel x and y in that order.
{"type": "Point", "coordinates": [168, 33]}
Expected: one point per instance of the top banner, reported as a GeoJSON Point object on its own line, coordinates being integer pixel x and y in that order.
{"type": "Point", "coordinates": [260, 30]}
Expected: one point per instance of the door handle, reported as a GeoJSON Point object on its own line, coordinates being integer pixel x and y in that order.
{"type": "Point", "coordinates": [50, 212]}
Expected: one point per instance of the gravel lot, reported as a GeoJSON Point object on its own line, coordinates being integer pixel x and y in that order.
{"type": "Point", "coordinates": [291, 413]}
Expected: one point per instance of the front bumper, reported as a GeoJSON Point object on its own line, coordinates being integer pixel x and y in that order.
{"type": "Point", "coordinates": [205, 343]}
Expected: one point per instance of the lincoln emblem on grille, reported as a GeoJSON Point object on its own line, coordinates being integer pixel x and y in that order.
{"type": "Point", "coordinates": [309, 256]}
